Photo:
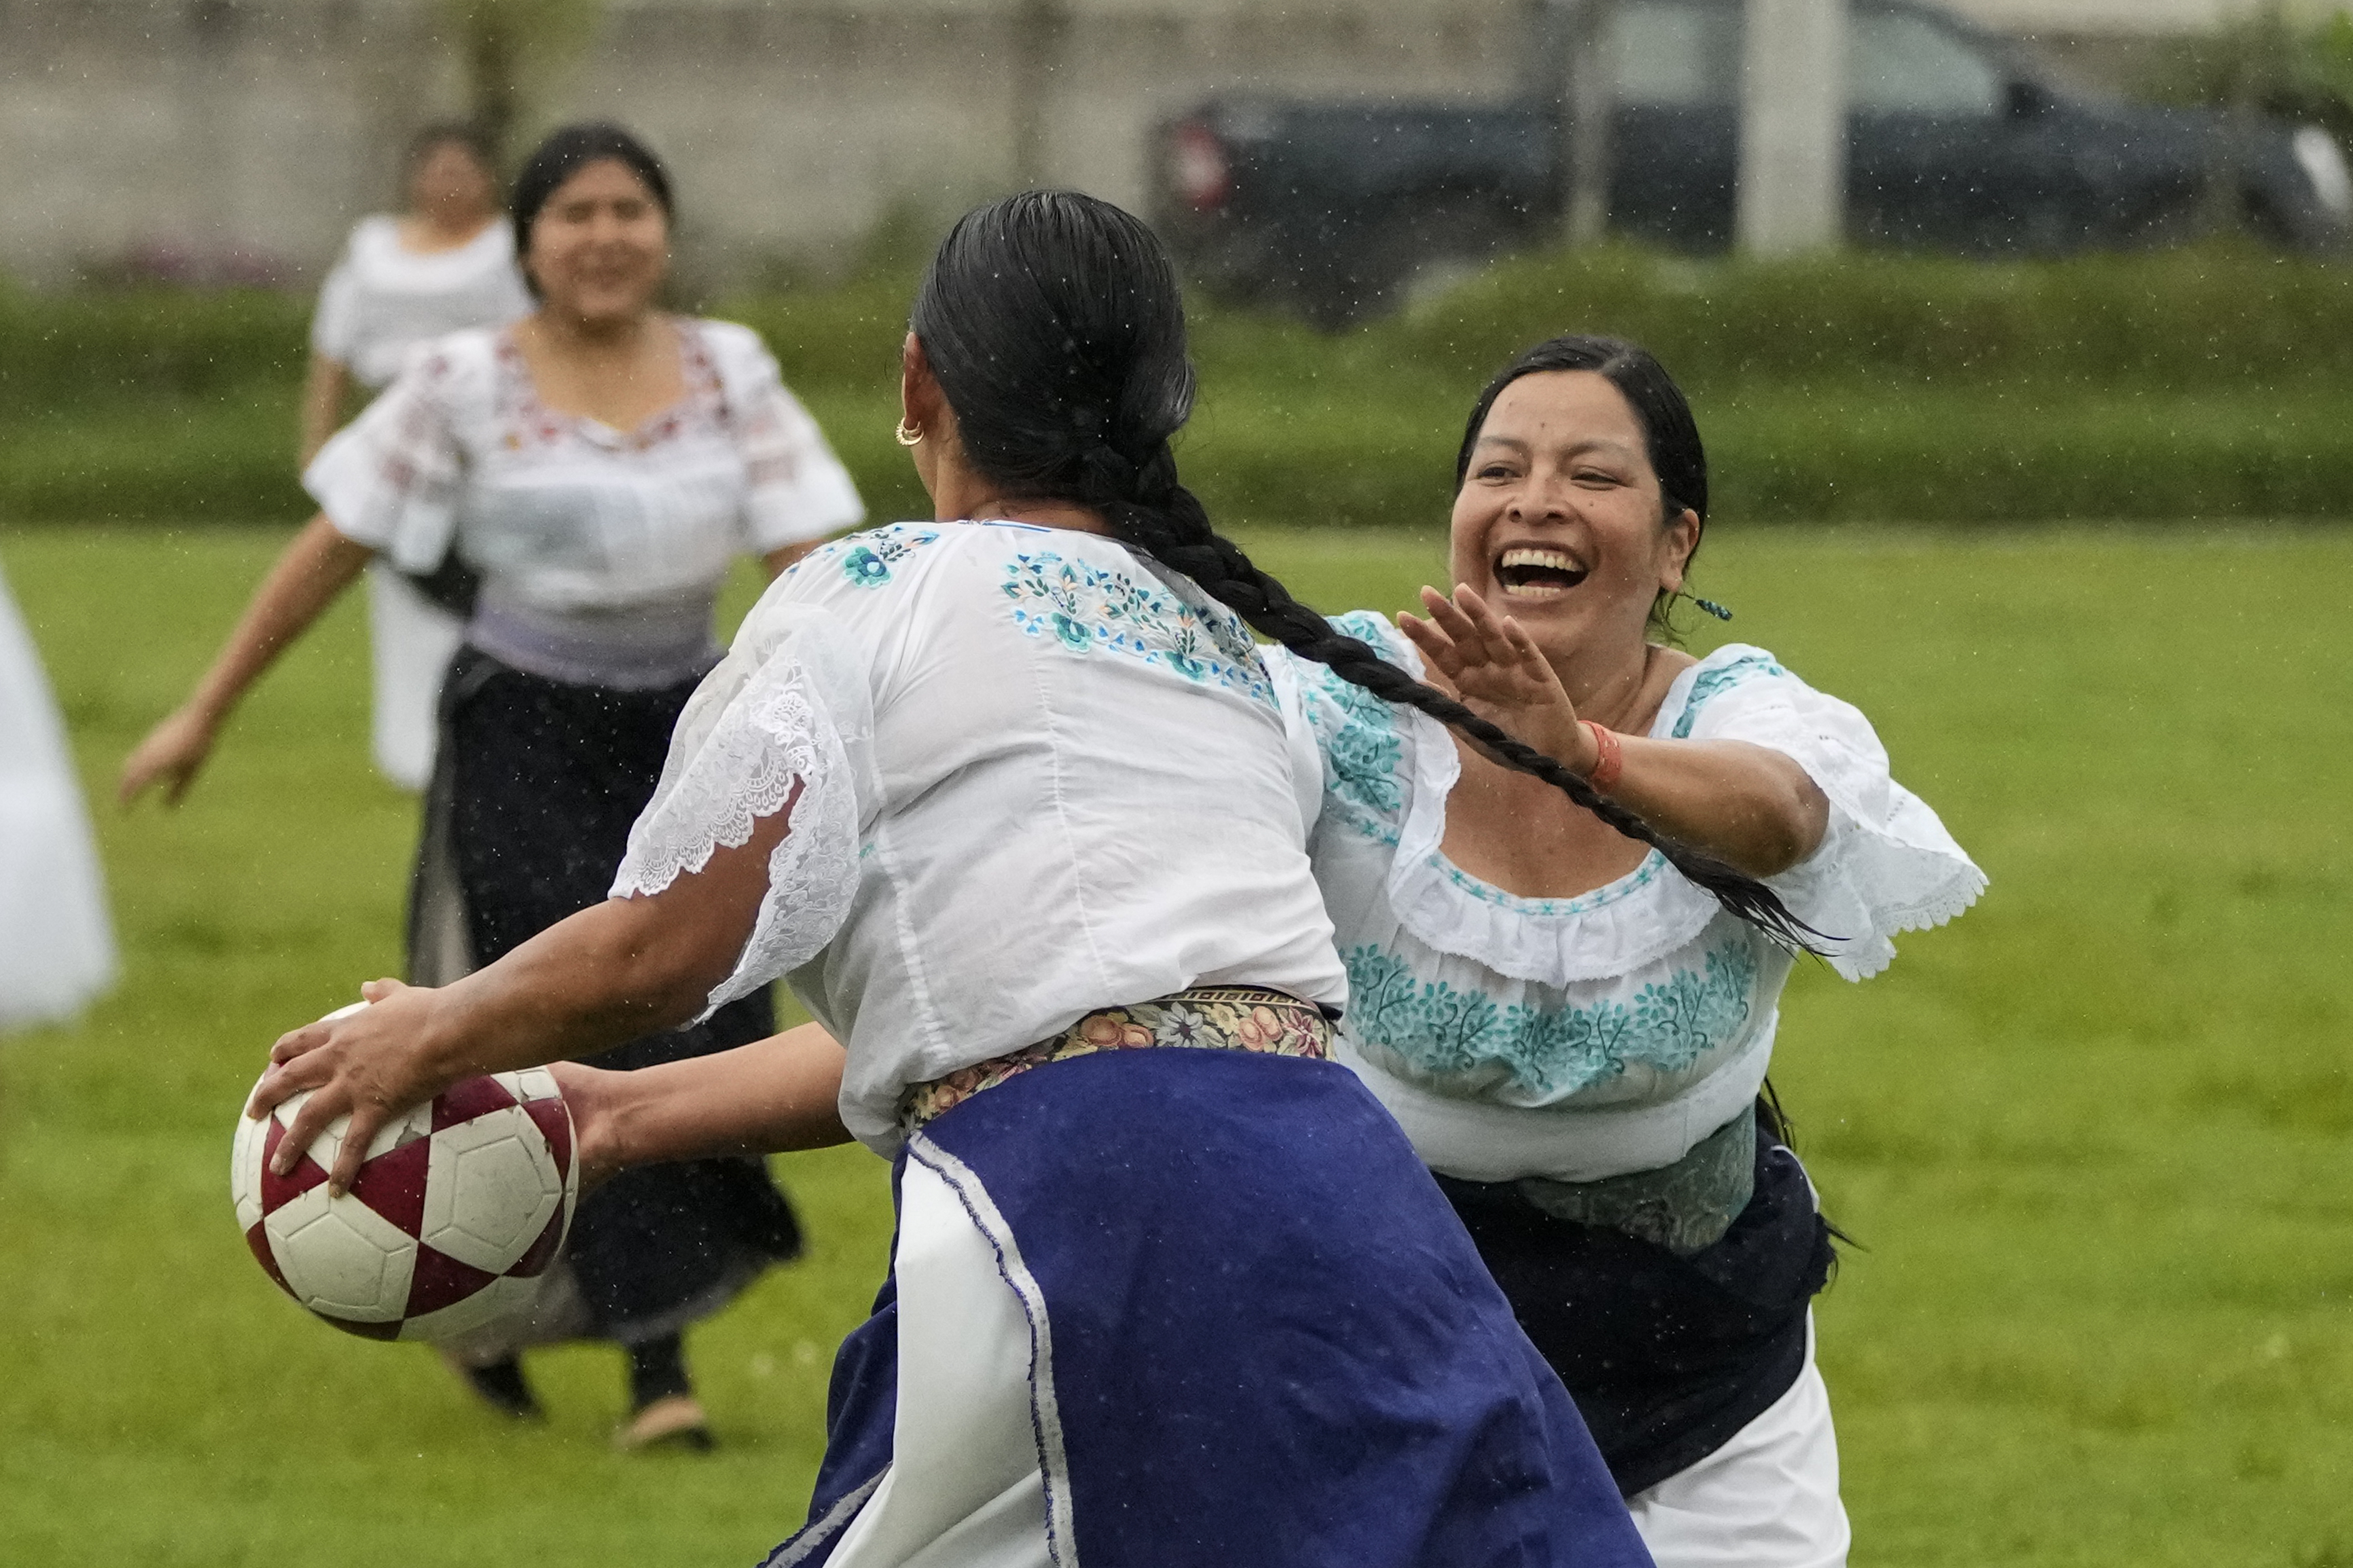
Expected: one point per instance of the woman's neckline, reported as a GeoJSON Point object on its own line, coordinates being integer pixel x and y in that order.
{"type": "Point", "coordinates": [401, 239]}
{"type": "Point", "coordinates": [513, 344]}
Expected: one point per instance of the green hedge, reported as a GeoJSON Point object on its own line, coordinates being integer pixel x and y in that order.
{"type": "Point", "coordinates": [2209, 382]}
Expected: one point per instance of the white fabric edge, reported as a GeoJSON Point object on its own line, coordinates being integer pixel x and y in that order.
{"type": "Point", "coordinates": [773, 730]}
{"type": "Point", "coordinates": [1768, 1499]}
{"type": "Point", "coordinates": [811, 1536]}
{"type": "Point", "coordinates": [1621, 933]}
{"type": "Point", "coordinates": [1482, 1140]}
{"type": "Point", "coordinates": [1045, 1415]}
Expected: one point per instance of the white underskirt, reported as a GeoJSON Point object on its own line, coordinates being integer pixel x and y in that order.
{"type": "Point", "coordinates": [1768, 1499]}
{"type": "Point", "coordinates": [975, 1431]}
{"type": "Point", "coordinates": [413, 640]}
{"type": "Point", "coordinates": [57, 945]}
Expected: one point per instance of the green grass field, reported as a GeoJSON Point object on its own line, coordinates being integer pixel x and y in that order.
{"type": "Point", "coordinates": [2096, 1139]}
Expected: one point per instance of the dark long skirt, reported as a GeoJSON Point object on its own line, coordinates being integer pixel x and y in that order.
{"type": "Point", "coordinates": [1666, 1356]}
{"type": "Point", "coordinates": [533, 798]}
{"type": "Point", "coordinates": [1192, 1309]}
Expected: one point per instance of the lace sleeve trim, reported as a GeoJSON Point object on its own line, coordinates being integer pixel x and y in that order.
{"type": "Point", "coordinates": [774, 737]}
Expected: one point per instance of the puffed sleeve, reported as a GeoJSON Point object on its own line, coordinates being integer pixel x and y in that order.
{"type": "Point", "coordinates": [1886, 863]}
{"type": "Point", "coordinates": [390, 479]}
{"type": "Point", "coordinates": [789, 709]}
{"type": "Point", "coordinates": [334, 324]}
{"type": "Point", "coordinates": [798, 490]}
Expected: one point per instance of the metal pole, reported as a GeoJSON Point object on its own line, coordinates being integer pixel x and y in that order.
{"type": "Point", "coordinates": [1583, 52]}
{"type": "Point", "coordinates": [1793, 126]}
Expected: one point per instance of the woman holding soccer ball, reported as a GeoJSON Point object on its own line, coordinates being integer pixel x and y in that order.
{"type": "Point", "coordinates": [600, 464]}
{"type": "Point", "coordinates": [1571, 1033]}
{"type": "Point", "coordinates": [1012, 799]}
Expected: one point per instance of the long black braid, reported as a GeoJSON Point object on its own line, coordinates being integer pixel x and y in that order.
{"type": "Point", "coordinates": [1054, 325]}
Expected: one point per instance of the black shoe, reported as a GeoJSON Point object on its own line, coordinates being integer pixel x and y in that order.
{"type": "Point", "coordinates": [502, 1387]}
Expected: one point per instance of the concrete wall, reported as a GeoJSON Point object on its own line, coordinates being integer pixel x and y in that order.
{"type": "Point", "coordinates": [256, 131]}
{"type": "Point", "coordinates": [247, 134]}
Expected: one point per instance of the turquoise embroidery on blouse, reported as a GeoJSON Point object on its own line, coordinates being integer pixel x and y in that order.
{"type": "Point", "coordinates": [867, 558]}
{"type": "Point", "coordinates": [1709, 683]}
{"type": "Point", "coordinates": [1667, 1025]}
{"type": "Point", "coordinates": [1641, 877]}
{"type": "Point", "coordinates": [1357, 733]}
{"type": "Point", "coordinates": [1085, 607]}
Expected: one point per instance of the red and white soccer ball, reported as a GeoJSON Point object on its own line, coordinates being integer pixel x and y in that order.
{"type": "Point", "coordinates": [459, 1208]}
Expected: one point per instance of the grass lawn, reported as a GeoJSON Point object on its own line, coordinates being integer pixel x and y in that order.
{"type": "Point", "coordinates": [2096, 1139]}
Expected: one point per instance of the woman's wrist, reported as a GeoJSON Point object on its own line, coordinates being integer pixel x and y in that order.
{"type": "Point", "coordinates": [1607, 756]}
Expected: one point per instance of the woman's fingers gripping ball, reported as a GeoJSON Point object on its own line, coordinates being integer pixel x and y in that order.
{"type": "Point", "coordinates": [368, 1060]}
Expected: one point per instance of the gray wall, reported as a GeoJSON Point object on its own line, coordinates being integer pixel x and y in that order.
{"type": "Point", "coordinates": [251, 132]}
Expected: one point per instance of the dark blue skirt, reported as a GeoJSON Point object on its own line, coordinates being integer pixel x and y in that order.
{"type": "Point", "coordinates": [1180, 1308]}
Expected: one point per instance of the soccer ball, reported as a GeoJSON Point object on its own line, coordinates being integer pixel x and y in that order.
{"type": "Point", "coordinates": [459, 1208]}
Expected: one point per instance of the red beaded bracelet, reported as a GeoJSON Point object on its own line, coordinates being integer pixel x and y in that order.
{"type": "Point", "coordinates": [1612, 761]}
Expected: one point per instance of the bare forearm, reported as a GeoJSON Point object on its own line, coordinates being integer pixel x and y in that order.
{"type": "Point", "coordinates": [312, 571]}
{"type": "Point", "coordinates": [613, 973]}
{"type": "Point", "coordinates": [599, 979]}
{"type": "Point", "coordinates": [324, 393]}
{"type": "Point", "coordinates": [1749, 805]}
{"type": "Point", "coordinates": [771, 1097]}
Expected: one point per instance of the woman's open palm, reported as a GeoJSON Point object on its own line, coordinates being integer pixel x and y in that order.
{"type": "Point", "coordinates": [1496, 669]}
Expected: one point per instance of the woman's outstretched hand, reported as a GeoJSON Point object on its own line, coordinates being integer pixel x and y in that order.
{"type": "Point", "coordinates": [376, 1063]}
{"type": "Point", "coordinates": [1500, 674]}
{"type": "Point", "coordinates": [173, 755]}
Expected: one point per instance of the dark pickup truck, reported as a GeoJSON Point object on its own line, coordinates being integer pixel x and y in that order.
{"type": "Point", "coordinates": [1954, 143]}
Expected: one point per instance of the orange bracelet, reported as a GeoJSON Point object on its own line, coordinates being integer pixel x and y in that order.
{"type": "Point", "coordinates": [1612, 761]}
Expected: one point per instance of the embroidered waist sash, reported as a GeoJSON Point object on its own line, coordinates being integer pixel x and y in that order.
{"type": "Point", "coordinates": [1206, 1017]}
{"type": "Point", "coordinates": [1684, 1207]}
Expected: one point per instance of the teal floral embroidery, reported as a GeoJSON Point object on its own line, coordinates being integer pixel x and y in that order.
{"type": "Point", "coordinates": [1668, 1024]}
{"type": "Point", "coordinates": [1641, 877]}
{"type": "Point", "coordinates": [867, 558]}
{"type": "Point", "coordinates": [1357, 733]}
{"type": "Point", "coordinates": [1710, 683]}
{"type": "Point", "coordinates": [1086, 607]}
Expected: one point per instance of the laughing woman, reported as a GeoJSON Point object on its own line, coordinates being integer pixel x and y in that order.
{"type": "Point", "coordinates": [1010, 797]}
{"type": "Point", "coordinates": [1572, 1033]}
{"type": "Point", "coordinates": [601, 464]}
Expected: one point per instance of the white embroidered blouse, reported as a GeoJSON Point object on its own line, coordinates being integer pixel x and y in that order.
{"type": "Point", "coordinates": [1584, 1038]}
{"type": "Point", "coordinates": [383, 299]}
{"type": "Point", "coordinates": [1036, 775]}
{"type": "Point", "coordinates": [601, 551]}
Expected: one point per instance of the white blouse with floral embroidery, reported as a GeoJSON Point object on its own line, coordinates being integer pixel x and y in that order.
{"type": "Point", "coordinates": [601, 551]}
{"type": "Point", "coordinates": [1585, 1038]}
{"type": "Point", "coordinates": [1031, 775]}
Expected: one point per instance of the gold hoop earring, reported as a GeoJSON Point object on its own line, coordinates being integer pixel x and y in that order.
{"type": "Point", "coordinates": [908, 434]}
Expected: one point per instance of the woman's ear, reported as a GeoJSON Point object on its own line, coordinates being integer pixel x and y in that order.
{"type": "Point", "coordinates": [921, 400]}
{"type": "Point", "coordinates": [1682, 539]}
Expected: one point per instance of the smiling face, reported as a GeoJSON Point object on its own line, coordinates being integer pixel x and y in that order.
{"type": "Point", "coordinates": [600, 245]}
{"type": "Point", "coordinates": [1560, 523]}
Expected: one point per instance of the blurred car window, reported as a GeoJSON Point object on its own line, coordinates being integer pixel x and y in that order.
{"type": "Point", "coordinates": [1899, 64]}
{"type": "Point", "coordinates": [1676, 56]}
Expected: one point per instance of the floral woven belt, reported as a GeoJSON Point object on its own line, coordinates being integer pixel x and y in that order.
{"type": "Point", "coordinates": [1208, 1017]}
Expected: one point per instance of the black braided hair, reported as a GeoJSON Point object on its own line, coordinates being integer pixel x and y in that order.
{"type": "Point", "coordinates": [1055, 327]}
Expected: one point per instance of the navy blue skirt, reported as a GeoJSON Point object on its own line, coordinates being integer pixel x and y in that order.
{"type": "Point", "coordinates": [1195, 1309]}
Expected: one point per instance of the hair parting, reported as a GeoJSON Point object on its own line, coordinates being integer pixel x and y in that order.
{"type": "Point", "coordinates": [1054, 325]}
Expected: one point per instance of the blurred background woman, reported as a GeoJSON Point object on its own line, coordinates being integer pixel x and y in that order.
{"type": "Point", "coordinates": [445, 263]}
{"type": "Point", "coordinates": [1572, 1032]}
{"type": "Point", "coordinates": [600, 464]}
